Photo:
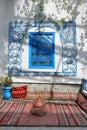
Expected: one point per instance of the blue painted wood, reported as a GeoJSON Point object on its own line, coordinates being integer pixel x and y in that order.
{"type": "Point", "coordinates": [41, 50]}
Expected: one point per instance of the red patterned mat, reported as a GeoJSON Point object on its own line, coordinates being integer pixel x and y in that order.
{"type": "Point", "coordinates": [18, 114]}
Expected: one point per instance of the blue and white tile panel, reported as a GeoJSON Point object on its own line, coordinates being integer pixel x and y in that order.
{"type": "Point", "coordinates": [67, 34]}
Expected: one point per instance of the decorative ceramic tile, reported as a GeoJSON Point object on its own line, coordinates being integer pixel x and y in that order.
{"type": "Point", "coordinates": [69, 49]}
{"type": "Point", "coordinates": [17, 33]}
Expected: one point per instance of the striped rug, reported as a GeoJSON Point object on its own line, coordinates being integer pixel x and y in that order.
{"type": "Point", "coordinates": [15, 113]}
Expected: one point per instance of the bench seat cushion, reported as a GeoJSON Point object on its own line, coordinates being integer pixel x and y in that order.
{"type": "Point", "coordinates": [65, 92]}
{"type": "Point", "coordinates": [19, 92]}
{"type": "Point", "coordinates": [65, 96]}
{"type": "Point", "coordinates": [82, 102]}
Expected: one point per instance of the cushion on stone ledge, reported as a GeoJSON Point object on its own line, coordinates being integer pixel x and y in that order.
{"type": "Point", "coordinates": [65, 96]}
{"type": "Point", "coordinates": [19, 92]}
{"type": "Point", "coordinates": [82, 102]}
{"type": "Point", "coordinates": [66, 92]}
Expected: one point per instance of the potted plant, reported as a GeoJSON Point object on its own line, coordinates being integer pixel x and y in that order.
{"type": "Point", "coordinates": [6, 83]}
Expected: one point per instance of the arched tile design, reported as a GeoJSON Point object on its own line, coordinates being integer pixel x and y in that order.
{"type": "Point", "coordinates": [67, 32]}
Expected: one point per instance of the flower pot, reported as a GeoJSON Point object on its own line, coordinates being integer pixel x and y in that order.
{"type": "Point", "coordinates": [7, 92]}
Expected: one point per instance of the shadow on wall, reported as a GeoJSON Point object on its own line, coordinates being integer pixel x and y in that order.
{"type": "Point", "coordinates": [3, 38]}
{"type": "Point", "coordinates": [7, 14]}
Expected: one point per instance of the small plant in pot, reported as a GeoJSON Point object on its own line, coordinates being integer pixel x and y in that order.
{"type": "Point", "coordinates": [6, 83]}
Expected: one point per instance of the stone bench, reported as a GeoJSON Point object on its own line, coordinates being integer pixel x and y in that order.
{"type": "Point", "coordinates": [63, 93]}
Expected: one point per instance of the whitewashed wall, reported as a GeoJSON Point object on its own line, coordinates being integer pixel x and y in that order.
{"type": "Point", "coordinates": [12, 10]}
{"type": "Point", "coordinates": [3, 38]}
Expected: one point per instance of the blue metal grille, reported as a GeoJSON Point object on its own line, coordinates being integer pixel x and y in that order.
{"type": "Point", "coordinates": [41, 48]}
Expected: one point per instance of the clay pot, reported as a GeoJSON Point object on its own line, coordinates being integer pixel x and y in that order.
{"type": "Point", "coordinates": [39, 102]}
{"type": "Point", "coordinates": [38, 107]}
{"type": "Point", "coordinates": [38, 111]}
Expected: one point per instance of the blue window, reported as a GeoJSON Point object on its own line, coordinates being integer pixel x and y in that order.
{"type": "Point", "coordinates": [42, 50]}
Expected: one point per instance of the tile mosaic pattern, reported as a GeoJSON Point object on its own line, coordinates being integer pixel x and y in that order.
{"type": "Point", "coordinates": [69, 49]}
{"type": "Point", "coordinates": [17, 31]}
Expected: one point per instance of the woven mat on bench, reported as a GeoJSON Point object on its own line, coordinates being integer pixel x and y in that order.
{"type": "Point", "coordinates": [15, 113]}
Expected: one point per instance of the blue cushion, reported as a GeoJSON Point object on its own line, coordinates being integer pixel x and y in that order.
{"type": "Point", "coordinates": [84, 87]}
{"type": "Point", "coordinates": [84, 84]}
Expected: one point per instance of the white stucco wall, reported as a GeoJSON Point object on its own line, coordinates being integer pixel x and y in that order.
{"type": "Point", "coordinates": [9, 11]}
{"type": "Point", "coordinates": [3, 38]}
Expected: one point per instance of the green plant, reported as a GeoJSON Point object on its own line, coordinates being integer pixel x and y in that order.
{"type": "Point", "coordinates": [6, 81]}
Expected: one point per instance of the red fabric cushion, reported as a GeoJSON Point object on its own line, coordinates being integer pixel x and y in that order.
{"type": "Point", "coordinates": [19, 92]}
{"type": "Point", "coordinates": [65, 96]}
